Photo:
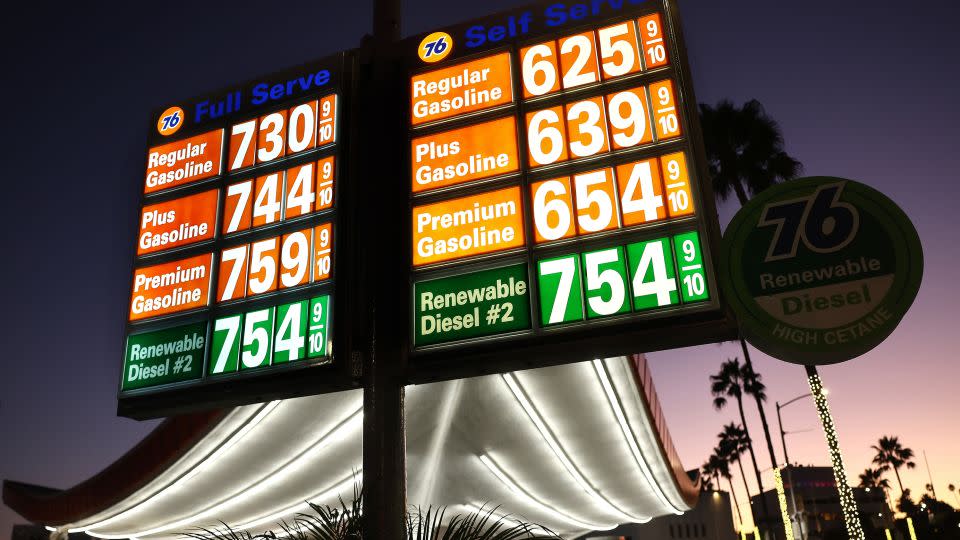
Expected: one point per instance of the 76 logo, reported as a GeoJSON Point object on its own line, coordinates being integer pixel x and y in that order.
{"type": "Point", "coordinates": [435, 47]}
{"type": "Point", "coordinates": [820, 221]}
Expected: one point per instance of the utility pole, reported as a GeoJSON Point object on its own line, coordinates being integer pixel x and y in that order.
{"type": "Point", "coordinates": [793, 498]}
{"type": "Point", "coordinates": [381, 132]}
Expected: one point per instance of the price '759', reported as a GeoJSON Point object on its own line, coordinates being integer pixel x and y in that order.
{"type": "Point", "coordinates": [282, 262]}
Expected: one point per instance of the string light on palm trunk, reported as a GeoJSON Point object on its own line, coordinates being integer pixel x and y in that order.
{"type": "Point", "coordinates": [847, 503]}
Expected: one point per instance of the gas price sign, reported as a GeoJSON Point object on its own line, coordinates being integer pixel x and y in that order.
{"type": "Point", "coordinates": [558, 191]}
{"type": "Point", "coordinates": [238, 234]}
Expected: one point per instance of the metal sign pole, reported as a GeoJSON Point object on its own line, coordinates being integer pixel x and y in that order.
{"type": "Point", "coordinates": [847, 503]}
{"type": "Point", "coordinates": [384, 448]}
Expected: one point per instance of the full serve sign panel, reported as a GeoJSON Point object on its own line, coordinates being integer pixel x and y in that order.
{"type": "Point", "coordinates": [237, 234]}
{"type": "Point", "coordinates": [557, 186]}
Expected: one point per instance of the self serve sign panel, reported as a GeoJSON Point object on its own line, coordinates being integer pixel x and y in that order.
{"type": "Point", "coordinates": [555, 184]}
{"type": "Point", "coordinates": [235, 265]}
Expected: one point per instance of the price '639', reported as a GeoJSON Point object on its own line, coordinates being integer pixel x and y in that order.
{"type": "Point", "coordinates": [600, 124]}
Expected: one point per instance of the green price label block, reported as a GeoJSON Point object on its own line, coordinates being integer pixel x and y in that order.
{"type": "Point", "coordinates": [652, 275]}
{"type": "Point", "coordinates": [560, 296]}
{"type": "Point", "coordinates": [471, 305]}
{"type": "Point", "coordinates": [257, 338]}
{"type": "Point", "coordinates": [693, 280]}
{"type": "Point", "coordinates": [225, 353]}
{"type": "Point", "coordinates": [290, 341]}
{"type": "Point", "coordinates": [318, 331]}
{"type": "Point", "coordinates": [165, 356]}
{"type": "Point", "coordinates": [605, 280]}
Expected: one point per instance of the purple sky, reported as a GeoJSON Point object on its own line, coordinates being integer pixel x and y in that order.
{"type": "Point", "coordinates": [865, 91]}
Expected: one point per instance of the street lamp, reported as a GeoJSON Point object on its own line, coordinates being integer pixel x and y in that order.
{"type": "Point", "coordinates": [786, 459]}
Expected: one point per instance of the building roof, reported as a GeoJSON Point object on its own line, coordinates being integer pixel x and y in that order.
{"type": "Point", "coordinates": [575, 448]}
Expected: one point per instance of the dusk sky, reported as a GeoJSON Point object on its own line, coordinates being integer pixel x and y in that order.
{"type": "Point", "coordinates": [861, 90]}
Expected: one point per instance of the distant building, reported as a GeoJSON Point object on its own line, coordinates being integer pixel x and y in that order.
{"type": "Point", "coordinates": [818, 514]}
{"type": "Point", "coordinates": [710, 519]}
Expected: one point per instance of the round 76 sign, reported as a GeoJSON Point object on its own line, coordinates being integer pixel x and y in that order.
{"type": "Point", "coordinates": [820, 270]}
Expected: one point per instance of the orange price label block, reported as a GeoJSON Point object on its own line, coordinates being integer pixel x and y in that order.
{"type": "Point", "coordinates": [299, 193]}
{"type": "Point", "coordinates": [546, 137]}
{"type": "Point", "coordinates": [651, 38]}
{"type": "Point", "coordinates": [619, 54]}
{"type": "Point", "coordinates": [295, 259]}
{"type": "Point", "coordinates": [468, 87]}
{"type": "Point", "coordinates": [271, 136]}
{"type": "Point", "coordinates": [552, 210]}
{"type": "Point", "coordinates": [539, 70]}
{"type": "Point", "coordinates": [322, 252]}
{"type": "Point", "coordinates": [578, 60]}
{"type": "Point", "coordinates": [326, 176]}
{"type": "Point", "coordinates": [181, 162]}
{"type": "Point", "coordinates": [243, 145]}
{"type": "Point", "coordinates": [302, 130]}
{"type": "Point", "coordinates": [665, 116]}
{"type": "Point", "coordinates": [266, 203]}
{"type": "Point", "coordinates": [179, 222]}
{"type": "Point", "coordinates": [587, 128]}
{"type": "Point", "coordinates": [327, 120]}
{"type": "Point", "coordinates": [596, 201]}
{"type": "Point", "coordinates": [262, 268]}
{"type": "Point", "coordinates": [468, 226]}
{"type": "Point", "coordinates": [679, 197]}
{"type": "Point", "coordinates": [641, 192]}
{"type": "Point", "coordinates": [462, 155]}
{"type": "Point", "coordinates": [171, 287]}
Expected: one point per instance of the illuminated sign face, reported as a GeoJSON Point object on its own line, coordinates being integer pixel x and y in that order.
{"type": "Point", "coordinates": [555, 185]}
{"type": "Point", "coordinates": [236, 238]}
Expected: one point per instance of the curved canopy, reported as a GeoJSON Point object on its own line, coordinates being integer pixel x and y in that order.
{"type": "Point", "coordinates": [574, 448]}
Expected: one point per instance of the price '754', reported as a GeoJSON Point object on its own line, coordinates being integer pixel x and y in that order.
{"type": "Point", "coordinates": [284, 262]}
{"type": "Point", "coordinates": [618, 280]}
{"type": "Point", "coordinates": [271, 336]}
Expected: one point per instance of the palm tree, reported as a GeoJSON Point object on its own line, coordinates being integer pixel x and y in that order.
{"type": "Point", "coordinates": [718, 464]}
{"type": "Point", "coordinates": [873, 479]}
{"type": "Point", "coordinates": [728, 383]}
{"type": "Point", "coordinates": [708, 477]}
{"type": "Point", "coordinates": [745, 155]}
{"type": "Point", "coordinates": [890, 453]}
{"type": "Point", "coordinates": [744, 149]}
{"type": "Point", "coordinates": [953, 489]}
{"type": "Point", "coordinates": [732, 445]}
{"type": "Point", "coordinates": [753, 386]}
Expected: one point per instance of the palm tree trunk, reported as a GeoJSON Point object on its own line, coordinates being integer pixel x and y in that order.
{"type": "Point", "coordinates": [763, 416]}
{"type": "Point", "coordinates": [735, 503]}
{"type": "Point", "coordinates": [753, 458]}
{"type": "Point", "coordinates": [741, 193]}
{"type": "Point", "coordinates": [745, 486]}
{"type": "Point", "coordinates": [896, 471]}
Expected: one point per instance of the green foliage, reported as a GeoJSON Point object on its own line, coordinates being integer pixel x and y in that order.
{"type": "Point", "coordinates": [344, 523]}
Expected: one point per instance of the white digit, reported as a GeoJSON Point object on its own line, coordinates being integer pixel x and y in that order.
{"type": "Point", "coordinates": [290, 324]}
{"type": "Point", "coordinates": [532, 66]}
{"type": "Point", "coordinates": [301, 113]}
{"type": "Point", "coordinates": [694, 283]}
{"type": "Point", "coordinates": [243, 191]}
{"type": "Point", "coordinates": [260, 259]}
{"type": "Point", "coordinates": [543, 208]}
{"type": "Point", "coordinates": [538, 133]}
{"type": "Point", "coordinates": [232, 326]}
{"type": "Point", "coordinates": [295, 259]}
{"type": "Point", "coordinates": [575, 76]}
{"type": "Point", "coordinates": [301, 192]}
{"type": "Point", "coordinates": [596, 279]}
{"type": "Point", "coordinates": [635, 118]}
{"type": "Point", "coordinates": [689, 251]}
{"type": "Point", "coordinates": [267, 204]}
{"type": "Point", "coordinates": [649, 202]}
{"type": "Point", "coordinates": [238, 256]}
{"type": "Point", "coordinates": [586, 198]}
{"type": "Point", "coordinates": [567, 269]}
{"type": "Point", "coordinates": [609, 48]}
{"type": "Point", "coordinates": [255, 335]}
{"type": "Point", "coordinates": [272, 124]}
{"type": "Point", "coordinates": [247, 129]}
{"type": "Point", "coordinates": [590, 127]}
{"type": "Point", "coordinates": [662, 285]}
{"type": "Point", "coordinates": [679, 200]}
